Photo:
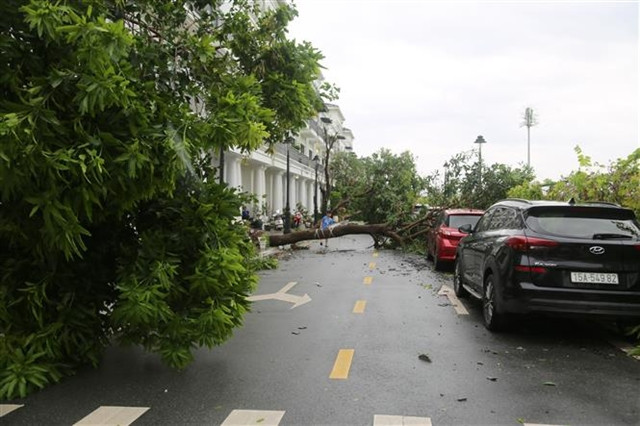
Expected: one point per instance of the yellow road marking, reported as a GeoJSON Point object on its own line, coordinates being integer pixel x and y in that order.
{"type": "Point", "coordinates": [372, 265]}
{"type": "Point", "coordinates": [375, 254]}
{"type": "Point", "coordinates": [359, 307]}
{"type": "Point", "coordinates": [367, 280]}
{"type": "Point", "coordinates": [342, 365]}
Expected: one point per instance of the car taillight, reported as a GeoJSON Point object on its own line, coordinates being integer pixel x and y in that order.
{"type": "Point", "coordinates": [523, 243]}
{"type": "Point", "coordinates": [533, 269]}
{"type": "Point", "coordinates": [637, 246]}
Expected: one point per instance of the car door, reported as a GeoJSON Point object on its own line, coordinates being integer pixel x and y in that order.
{"type": "Point", "coordinates": [469, 249]}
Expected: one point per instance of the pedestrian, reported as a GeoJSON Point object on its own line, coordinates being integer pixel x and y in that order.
{"type": "Point", "coordinates": [325, 225]}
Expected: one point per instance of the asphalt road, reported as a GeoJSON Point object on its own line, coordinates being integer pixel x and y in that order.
{"type": "Point", "coordinates": [372, 339]}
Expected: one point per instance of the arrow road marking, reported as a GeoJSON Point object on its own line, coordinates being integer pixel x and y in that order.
{"type": "Point", "coordinates": [283, 296]}
{"type": "Point", "coordinates": [455, 302]}
{"type": "Point", "coordinates": [7, 408]}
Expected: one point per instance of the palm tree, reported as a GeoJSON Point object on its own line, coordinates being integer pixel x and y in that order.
{"type": "Point", "coordinates": [529, 119]}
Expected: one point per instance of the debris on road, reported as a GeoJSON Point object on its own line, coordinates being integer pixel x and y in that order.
{"type": "Point", "coordinates": [424, 357]}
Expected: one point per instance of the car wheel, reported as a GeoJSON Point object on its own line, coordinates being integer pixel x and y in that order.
{"type": "Point", "coordinates": [493, 320]}
{"type": "Point", "coordinates": [458, 289]}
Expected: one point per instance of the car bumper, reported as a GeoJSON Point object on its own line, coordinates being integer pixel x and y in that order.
{"type": "Point", "coordinates": [580, 302]}
{"type": "Point", "coordinates": [447, 251]}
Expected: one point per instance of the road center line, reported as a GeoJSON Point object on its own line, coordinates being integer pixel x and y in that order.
{"type": "Point", "coordinates": [367, 280]}
{"type": "Point", "coordinates": [455, 302]}
{"type": "Point", "coordinates": [342, 365]}
{"type": "Point", "coordinates": [359, 307]}
{"type": "Point", "coordinates": [375, 254]}
{"type": "Point", "coordinates": [372, 265]}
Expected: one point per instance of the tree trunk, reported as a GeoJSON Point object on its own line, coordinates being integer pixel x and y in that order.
{"type": "Point", "coordinates": [336, 231]}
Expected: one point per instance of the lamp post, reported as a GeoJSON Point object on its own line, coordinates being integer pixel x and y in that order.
{"type": "Point", "coordinates": [446, 179]}
{"type": "Point", "coordinates": [480, 140]}
{"type": "Point", "coordinates": [221, 166]}
{"type": "Point", "coordinates": [315, 192]}
{"type": "Point", "coordinates": [287, 210]}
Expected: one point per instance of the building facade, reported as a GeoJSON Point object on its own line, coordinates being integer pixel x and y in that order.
{"type": "Point", "coordinates": [264, 174]}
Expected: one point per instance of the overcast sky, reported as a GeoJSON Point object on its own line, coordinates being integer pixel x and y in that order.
{"type": "Point", "coordinates": [430, 76]}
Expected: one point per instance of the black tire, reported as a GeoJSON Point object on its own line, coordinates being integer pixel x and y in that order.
{"type": "Point", "coordinates": [437, 263]}
{"type": "Point", "coordinates": [493, 319]}
{"type": "Point", "coordinates": [458, 289]}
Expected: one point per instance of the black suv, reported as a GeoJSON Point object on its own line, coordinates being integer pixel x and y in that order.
{"type": "Point", "coordinates": [551, 257]}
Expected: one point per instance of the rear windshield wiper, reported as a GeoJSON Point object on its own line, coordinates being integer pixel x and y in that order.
{"type": "Point", "coordinates": [612, 236]}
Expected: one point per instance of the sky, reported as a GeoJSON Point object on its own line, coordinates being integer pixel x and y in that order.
{"type": "Point", "coordinates": [430, 76]}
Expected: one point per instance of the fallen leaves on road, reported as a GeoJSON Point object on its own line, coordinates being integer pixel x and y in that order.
{"type": "Point", "coordinates": [424, 357]}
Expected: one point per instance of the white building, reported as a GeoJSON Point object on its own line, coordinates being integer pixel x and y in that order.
{"type": "Point", "coordinates": [265, 175]}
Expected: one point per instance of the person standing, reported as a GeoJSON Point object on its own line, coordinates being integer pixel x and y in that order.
{"type": "Point", "coordinates": [325, 224]}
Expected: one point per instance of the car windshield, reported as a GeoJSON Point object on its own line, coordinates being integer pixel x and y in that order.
{"type": "Point", "coordinates": [584, 223]}
{"type": "Point", "coordinates": [457, 220]}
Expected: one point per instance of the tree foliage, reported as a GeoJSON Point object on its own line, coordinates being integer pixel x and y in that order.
{"type": "Point", "coordinates": [464, 187]}
{"type": "Point", "coordinates": [111, 225]}
{"type": "Point", "coordinates": [617, 182]}
{"type": "Point", "coordinates": [381, 188]}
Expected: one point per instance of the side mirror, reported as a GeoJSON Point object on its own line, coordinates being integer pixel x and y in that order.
{"type": "Point", "coordinates": [466, 229]}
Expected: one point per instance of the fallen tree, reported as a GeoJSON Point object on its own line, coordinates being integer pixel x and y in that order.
{"type": "Point", "coordinates": [399, 234]}
{"type": "Point", "coordinates": [375, 231]}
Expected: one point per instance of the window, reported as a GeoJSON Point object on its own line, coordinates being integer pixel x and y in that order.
{"type": "Point", "coordinates": [483, 223]}
{"type": "Point", "coordinates": [457, 220]}
{"type": "Point", "coordinates": [584, 223]}
{"type": "Point", "coordinates": [504, 218]}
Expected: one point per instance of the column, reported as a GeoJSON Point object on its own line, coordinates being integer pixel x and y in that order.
{"type": "Point", "coordinates": [261, 186]}
{"type": "Point", "coordinates": [278, 191]}
{"type": "Point", "coordinates": [302, 191]}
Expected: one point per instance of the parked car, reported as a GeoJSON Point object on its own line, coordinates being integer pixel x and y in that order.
{"type": "Point", "coordinates": [442, 239]}
{"type": "Point", "coordinates": [558, 258]}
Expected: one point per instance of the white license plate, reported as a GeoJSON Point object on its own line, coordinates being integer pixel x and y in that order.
{"type": "Point", "coordinates": [594, 278]}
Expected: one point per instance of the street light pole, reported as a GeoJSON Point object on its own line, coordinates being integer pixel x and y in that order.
{"type": "Point", "coordinates": [315, 193]}
{"type": "Point", "coordinates": [480, 140]}
{"type": "Point", "coordinates": [287, 209]}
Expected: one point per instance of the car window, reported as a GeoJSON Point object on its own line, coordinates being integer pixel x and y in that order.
{"type": "Point", "coordinates": [499, 219]}
{"type": "Point", "coordinates": [505, 218]}
{"type": "Point", "coordinates": [583, 223]}
{"type": "Point", "coordinates": [484, 221]}
{"type": "Point", "coordinates": [457, 220]}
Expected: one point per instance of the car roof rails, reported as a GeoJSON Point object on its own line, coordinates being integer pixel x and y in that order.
{"type": "Point", "coordinates": [602, 203]}
{"type": "Point", "coordinates": [521, 200]}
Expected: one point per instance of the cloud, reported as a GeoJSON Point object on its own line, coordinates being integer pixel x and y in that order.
{"type": "Point", "coordinates": [428, 77]}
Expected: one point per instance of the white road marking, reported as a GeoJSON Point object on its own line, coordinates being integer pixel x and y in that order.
{"type": "Point", "coordinates": [455, 302]}
{"type": "Point", "coordinates": [283, 296]}
{"type": "Point", "coordinates": [7, 408]}
{"type": "Point", "coordinates": [253, 417]}
{"type": "Point", "coordinates": [384, 420]}
{"type": "Point", "coordinates": [112, 416]}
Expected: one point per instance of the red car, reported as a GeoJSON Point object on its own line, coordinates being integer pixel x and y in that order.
{"type": "Point", "coordinates": [442, 239]}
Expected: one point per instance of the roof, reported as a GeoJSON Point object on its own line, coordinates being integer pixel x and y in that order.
{"type": "Point", "coordinates": [520, 202]}
{"type": "Point", "coordinates": [463, 211]}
